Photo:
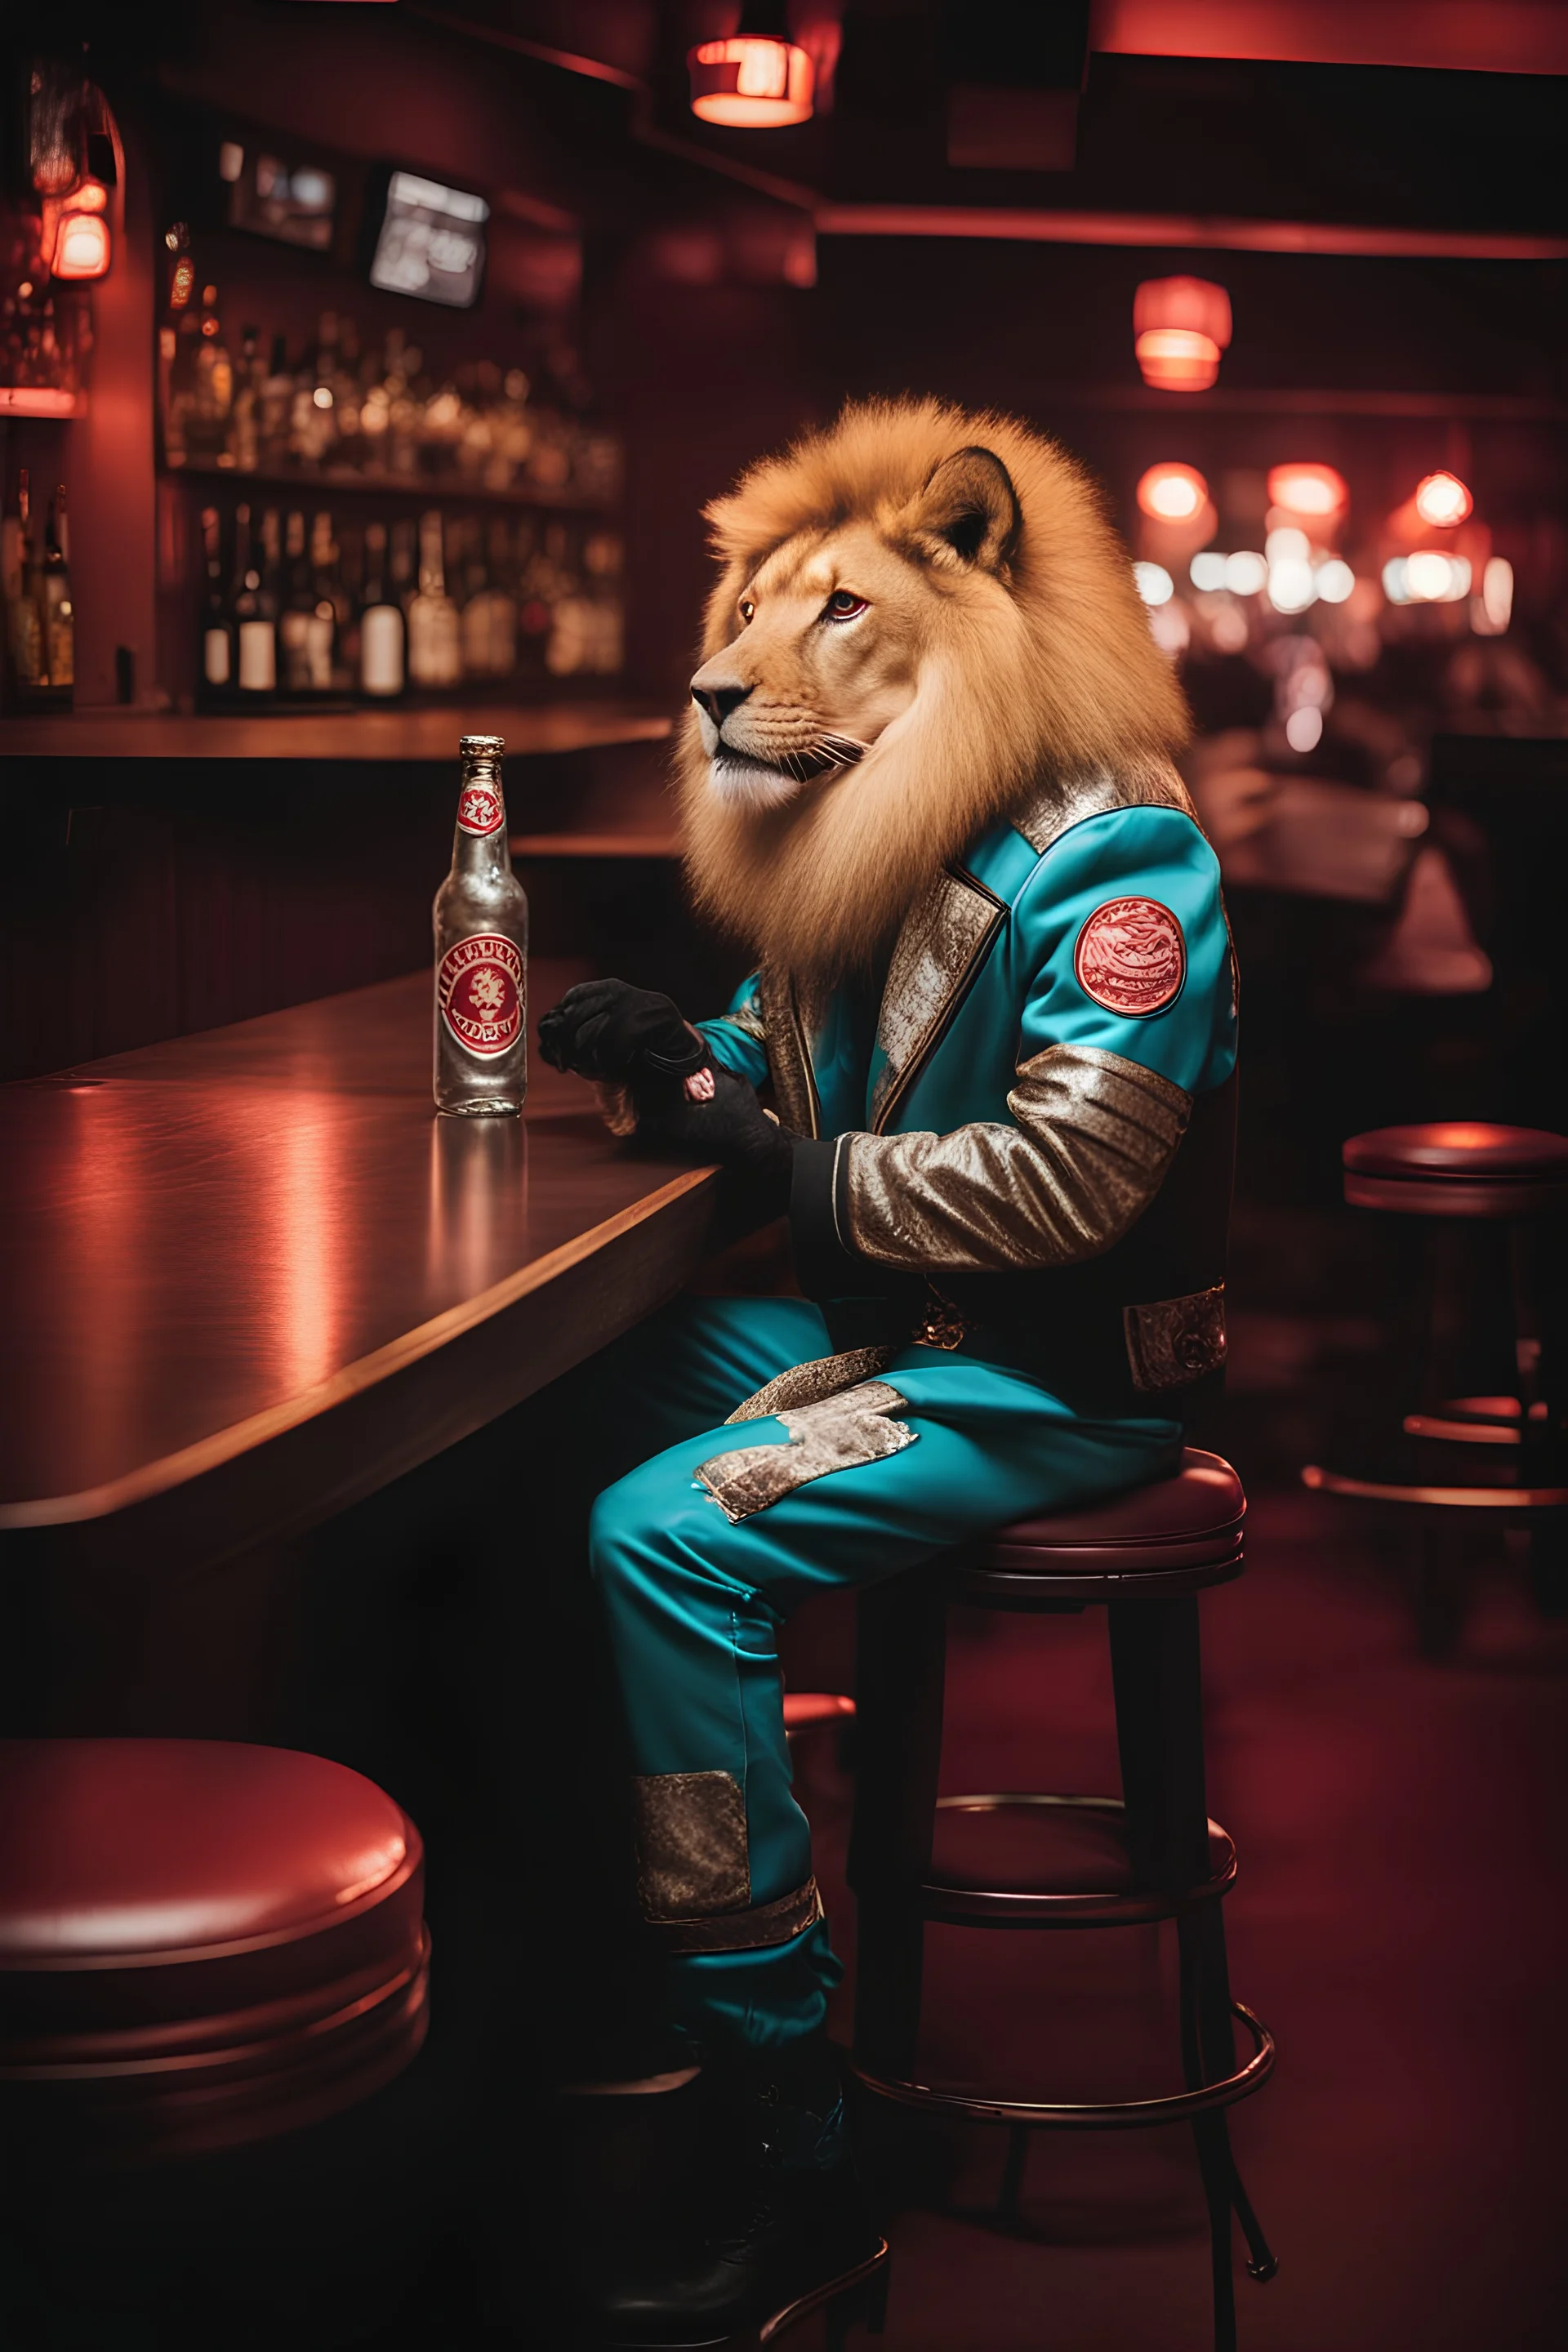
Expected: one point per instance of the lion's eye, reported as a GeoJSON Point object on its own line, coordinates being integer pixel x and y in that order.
{"type": "Point", "coordinates": [748, 611]}
{"type": "Point", "coordinates": [844, 605]}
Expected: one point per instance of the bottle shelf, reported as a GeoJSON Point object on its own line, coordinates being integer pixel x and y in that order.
{"type": "Point", "coordinates": [427, 490]}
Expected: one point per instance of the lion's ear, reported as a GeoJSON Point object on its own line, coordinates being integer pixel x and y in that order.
{"type": "Point", "coordinates": [968, 509]}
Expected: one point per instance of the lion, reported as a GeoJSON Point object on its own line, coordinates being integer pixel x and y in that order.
{"type": "Point", "coordinates": [924, 615]}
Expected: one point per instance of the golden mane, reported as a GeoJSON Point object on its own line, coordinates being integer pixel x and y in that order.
{"type": "Point", "coordinates": [1032, 673]}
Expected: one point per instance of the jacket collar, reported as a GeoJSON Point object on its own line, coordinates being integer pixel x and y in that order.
{"type": "Point", "coordinates": [945, 938]}
{"type": "Point", "coordinates": [941, 944]}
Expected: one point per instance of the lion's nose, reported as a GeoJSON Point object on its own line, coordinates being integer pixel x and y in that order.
{"type": "Point", "coordinates": [717, 701]}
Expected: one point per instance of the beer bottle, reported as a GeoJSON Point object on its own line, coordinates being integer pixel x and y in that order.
{"type": "Point", "coordinates": [481, 952]}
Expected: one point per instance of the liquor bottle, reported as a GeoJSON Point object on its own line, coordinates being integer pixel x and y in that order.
{"type": "Point", "coordinates": [381, 667]}
{"type": "Point", "coordinates": [25, 675]}
{"type": "Point", "coordinates": [294, 620]}
{"type": "Point", "coordinates": [481, 920]}
{"type": "Point", "coordinates": [322, 637]}
{"type": "Point", "coordinates": [535, 590]}
{"type": "Point", "coordinates": [489, 611]}
{"type": "Point", "coordinates": [245, 415]}
{"type": "Point", "coordinates": [473, 596]}
{"type": "Point", "coordinates": [276, 398]}
{"type": "Point", "coordinates": [179, 398]}
{"type": "Point", "coordinates": [435, 644]}
{"type": "Point", "coordinates": [207, 422]}
{"type": "Point", "coordinates": [345, 586]}
{"type": "Point", "coordinates": [257, 603]}
{"type": "Point", "coordinates": [214, 682]}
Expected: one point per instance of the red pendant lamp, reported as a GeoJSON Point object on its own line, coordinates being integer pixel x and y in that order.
{"type": "Point", "coordinates": [757, 80]}
{"type": "Point", "coordinates": [1180, 327]}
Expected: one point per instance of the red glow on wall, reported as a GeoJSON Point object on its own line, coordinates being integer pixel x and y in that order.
{"type": "Point", "coordinates": [1170, 492]}
{"type": "Point", "coordinates": [1179, 326]}
{"type": "Point", "coordinates": [1308, 489]}
{"type": "Point", "coordinates": [1443, 500]}
{"type": "Point", "coordinates": [753, 82]}
{"type": "Point", "coordinates": [38, 400]}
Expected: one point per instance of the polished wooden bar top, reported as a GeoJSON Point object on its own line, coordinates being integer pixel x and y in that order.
{"type": "Point", "coordinates": [396, 736]}
{"type": "Point", "coordinates": [250, 1275]}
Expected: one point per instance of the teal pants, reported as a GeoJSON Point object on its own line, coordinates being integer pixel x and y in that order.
{"type": "Point", "coordinates": [694, 1603]}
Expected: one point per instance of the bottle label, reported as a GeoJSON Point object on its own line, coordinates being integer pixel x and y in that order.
{"type": "Point", "coordinates": [258, 657]}
{"type": "Point", "coordinates": [215, 656]}
{"type": "Point", "coordinates": [380, 650]}
{"type": "Point", "coordinates": [480, 809]}
{"type": "Point", "coordinates": [479, 988]}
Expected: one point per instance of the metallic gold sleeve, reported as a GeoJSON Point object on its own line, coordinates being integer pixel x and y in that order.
{"type": "Point", "coordinates": [1094, 1137]}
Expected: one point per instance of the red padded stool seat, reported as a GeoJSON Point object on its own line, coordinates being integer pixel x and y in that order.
{"type": "Point", "coordinates": [1458, 1168]}
{"type": "Point", "coordinates": [201, 1943]}
{"type": "Point", "coordinates": [817, 1711]}
{"type": "Point", "coordinates": [1483, 1429]}
{"type": "Point", "coordinates": [1180, 1532]}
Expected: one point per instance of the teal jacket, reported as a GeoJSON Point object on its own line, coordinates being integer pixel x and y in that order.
{"type": "Point", "coordinates": [1023, 1148]}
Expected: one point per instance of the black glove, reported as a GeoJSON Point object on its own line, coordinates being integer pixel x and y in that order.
{"type": "Point", "coordinates": [608, 1030]}
{"type": "Point", "coordinates": [732, 1128]}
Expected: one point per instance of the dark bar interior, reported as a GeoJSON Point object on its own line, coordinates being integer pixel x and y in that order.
{"type": "Point", "coordinates": [588, 1492]}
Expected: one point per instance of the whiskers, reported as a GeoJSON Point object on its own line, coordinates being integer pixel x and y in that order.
{"type": "Point", "coordinates": [768, 781]}
{"type": "Point", "coordinates": [829, 752]}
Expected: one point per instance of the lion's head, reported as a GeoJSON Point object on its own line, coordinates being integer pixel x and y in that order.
{"type": "Point", "coordinates": [923, 617]}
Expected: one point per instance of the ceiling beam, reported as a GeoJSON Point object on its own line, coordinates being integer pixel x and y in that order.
{"type": "Point", "coordinates": [1030, 227]}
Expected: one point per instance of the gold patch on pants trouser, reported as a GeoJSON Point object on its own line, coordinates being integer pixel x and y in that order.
{"type": "Point", "coordinates": [841, 1433]}
{"type": "Point", "coordinates": [692, 1856]}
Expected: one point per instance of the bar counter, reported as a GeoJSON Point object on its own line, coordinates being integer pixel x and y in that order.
{"type": "Point", "coordinates": [250, 1277]}
{"type": "Point", "coordinates": [393, 736]}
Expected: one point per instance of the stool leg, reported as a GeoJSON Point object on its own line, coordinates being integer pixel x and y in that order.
{"type": "Point", "coordinates": [898, 1681]}
{"type": "Point", "coordinates": [1539, 1304]}
{"type": "Point", "coordinates": [1442, 1586]}
{"type": "Point", "coordinates": [1156, 1665]}
{"type": "Point", "coordinates": [1010, 2194]}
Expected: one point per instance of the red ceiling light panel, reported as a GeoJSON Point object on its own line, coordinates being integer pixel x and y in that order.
{"type": "Point", "coordinates": [1180, 327]}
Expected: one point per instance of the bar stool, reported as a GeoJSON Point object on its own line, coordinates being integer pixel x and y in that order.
{"type": "Point", "coordinates": [1485, 1443]}
{"type": "Point", "coordinates": [202, 1944]}
{"type": "Point", "coordinates": [1101, 1861]}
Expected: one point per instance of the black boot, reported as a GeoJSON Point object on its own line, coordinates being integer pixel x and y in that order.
{"type": "Point", "coordinates": [789, 2230]}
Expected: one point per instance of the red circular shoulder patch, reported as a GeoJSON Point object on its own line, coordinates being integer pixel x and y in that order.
{"type": "Point", "coordinates": [1130, 957]}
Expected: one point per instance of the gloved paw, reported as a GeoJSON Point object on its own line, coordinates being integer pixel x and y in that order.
{"type": "Point", "coordinates": [609, 1030]}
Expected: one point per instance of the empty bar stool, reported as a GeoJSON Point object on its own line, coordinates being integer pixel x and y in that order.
{"type": "Point", "coordinates": [201, 1944]}
{"type": "Point", "coordinates": [1482, 1441]}
{"type": "Point", "coordinates": [1098, 1861]}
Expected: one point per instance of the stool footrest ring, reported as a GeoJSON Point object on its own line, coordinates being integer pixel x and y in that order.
{"type": "Point", "coordinates": [952, 1905]}
{"type": "Point", "coordinates": [1110, 2115]}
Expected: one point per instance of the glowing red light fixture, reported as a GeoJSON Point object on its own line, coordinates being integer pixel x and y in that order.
{"type": "Point", "coordinates": [1312, 491]}
{"type": "Point", "coordinates": [753, 81]}
{"type": "Point", "coordinates": [1443, 500]}
{"type": "Point", "coordinates": [82, 246]}
{"type": "Point", "coordinates": [1171, 493]}
{"type": "Point", "coordinates": [1180, 327]}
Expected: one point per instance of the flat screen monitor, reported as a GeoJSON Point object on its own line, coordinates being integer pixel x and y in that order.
{"type": "Point", "coordinates": [431, 242]}
{"type": "Point", "coordinates": [294, 202]}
